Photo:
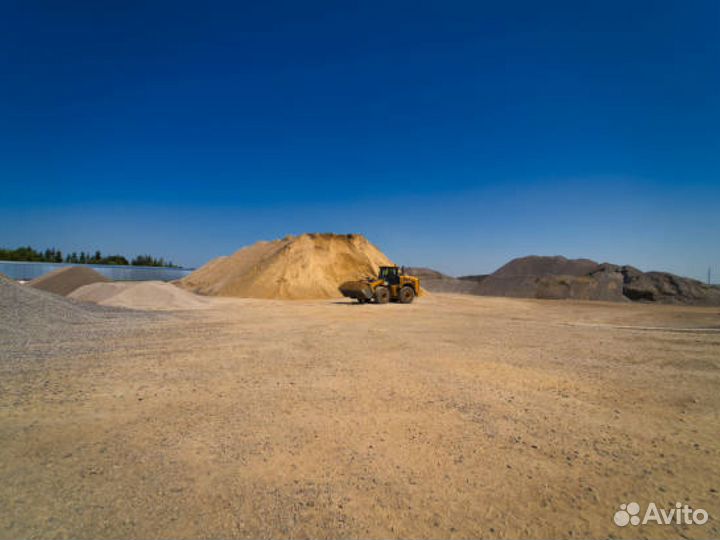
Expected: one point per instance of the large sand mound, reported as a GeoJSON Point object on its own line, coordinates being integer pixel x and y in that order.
{"type": "Point", "coordinates": [302, 267]}
{"type": "Point", "coordinates": [63, 281]}
{"type": "Point", "coordinates": [148, 295]}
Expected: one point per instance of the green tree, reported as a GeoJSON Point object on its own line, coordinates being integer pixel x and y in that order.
{"type": "Point", "coordinates": [53, 255]}
{"type": "Point", "coordinates": [115, 259]}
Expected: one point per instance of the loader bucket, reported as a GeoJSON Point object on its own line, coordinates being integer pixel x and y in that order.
{"type": "Point", "coordinates": [359, 290]}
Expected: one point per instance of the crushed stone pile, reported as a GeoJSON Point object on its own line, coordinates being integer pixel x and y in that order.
{"type": "Point", "coordinates": [554, 278]}
{"type": "Point", "coordinates": [536, 265]}
{"type": "Point", "coordinates": [27, 313]}
{"type": "Point", "coordinates": [434, 281]}
{"type": "Point", "coordinates": [660, 287]}
{"type": "Point", "coordinates": [140, 295]}
{"type": "Point", "coordinates": [63, 281]}
{"type": "Point", "coordinates": [36, 325]}
{"type": "Point", "coordinates": [577, 279]}
{"type": "Point", "coordinates": [583, 279]}
{"type": "Point", "coordinates": [309, 266]}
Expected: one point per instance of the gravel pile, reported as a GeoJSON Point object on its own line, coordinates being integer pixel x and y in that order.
{"type": "Point", "coordinates": [30, 317]}
{"type": "Point", "coordinates": [434, 281]}
{"type": "Point", "coordinates": [535, 265]}
{"type": "Point", "coordinates": [559, 278]}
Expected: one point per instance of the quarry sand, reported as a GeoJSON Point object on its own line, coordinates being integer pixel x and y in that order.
{"type": "Point", "coordinates": [455, 416]}
{"type": "Point", "coordinates": [64, 281]}
{"type": "Point", "coordinates": [297, 267]}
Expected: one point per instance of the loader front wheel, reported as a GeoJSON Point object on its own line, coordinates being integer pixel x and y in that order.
{"type": "Point", "coordinates": [406, 295]}
{"type": "Point", "coordinates": [382, 295]}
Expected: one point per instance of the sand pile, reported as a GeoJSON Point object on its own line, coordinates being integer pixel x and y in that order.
{"type": "Point", "coordinates": [63, 281]}
{"type": "Point", "coordinates": [302, 267]}
{"type": "Point", "coordinates": [146, 295]}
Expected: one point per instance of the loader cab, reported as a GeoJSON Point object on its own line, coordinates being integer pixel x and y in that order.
{"type": "Point", "coordinates": [391, 274]}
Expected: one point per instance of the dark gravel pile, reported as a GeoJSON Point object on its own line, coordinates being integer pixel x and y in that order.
{"type": "Point", "coordinates": [661, 287]}
{"type": "Point", "coordinates": [536, 265]}
{"type": "Point", "coordinates": [434, 281]}
{"type": "Point", "coordinates": [576, 279]}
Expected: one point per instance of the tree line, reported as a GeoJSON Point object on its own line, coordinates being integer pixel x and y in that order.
{"type": "Point", "coordinates": [52, 255]}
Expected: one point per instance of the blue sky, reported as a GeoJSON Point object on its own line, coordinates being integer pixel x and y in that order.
{"type": "Point", "coordinates": [455, 135]}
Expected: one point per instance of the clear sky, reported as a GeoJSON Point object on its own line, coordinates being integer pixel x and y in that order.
{"type": "Point", "coordinates": [455, 135]}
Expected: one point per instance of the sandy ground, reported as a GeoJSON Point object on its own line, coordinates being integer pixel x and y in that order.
{"type": "Point", "coordinates": [452, 417]}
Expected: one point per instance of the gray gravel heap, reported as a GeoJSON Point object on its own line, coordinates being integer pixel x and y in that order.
{"type": "Point", "coordinates": [30, 317]}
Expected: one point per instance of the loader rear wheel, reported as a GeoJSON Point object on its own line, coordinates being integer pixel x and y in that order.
{"type": "Point", "coordinates": [382, 295]}
{"type": "Point", "coordinates": [406, 295]}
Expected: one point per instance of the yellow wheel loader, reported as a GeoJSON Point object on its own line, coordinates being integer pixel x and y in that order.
{"type": "Point", "coordinates": [390, 284]}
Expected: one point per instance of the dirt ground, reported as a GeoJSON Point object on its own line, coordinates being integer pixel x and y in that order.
{"type": "Point", "coordinates": [455, 416]}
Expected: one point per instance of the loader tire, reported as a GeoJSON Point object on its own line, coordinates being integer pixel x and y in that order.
{"type": "Point", "coordinates": [406, 295]}
{"type": "Point", "coordinates": [382, 295]}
